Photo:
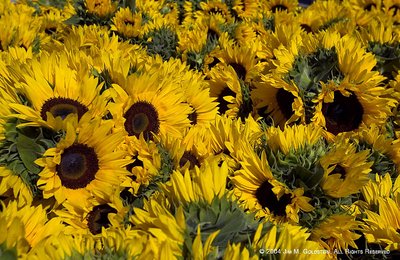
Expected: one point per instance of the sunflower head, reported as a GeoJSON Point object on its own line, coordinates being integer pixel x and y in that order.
{"type": "Point", "coordinates": [293, 154]}
{"type": "Point", "coordinates": [337, 232]}
{"type": "Point", "coordinates": [281, 6]}
{"type": "Point", "coordinates": [345, 170]}
{"type": "Point", "coordinates": [77, 164]}
{"type": "Point", "coordinates": [101, 8]}
{"type": "Point", "coordinates": [127, 23]}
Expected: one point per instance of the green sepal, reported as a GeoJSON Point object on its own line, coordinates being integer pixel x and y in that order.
{"type": "Point", "coordinates": [163, 41]}
{"type": "Point", "coordinates": [128, 3]}
{"type": "Point", "coordinates": [387, 57]}
{"type": "Point", "coordinates": [223, 215]}
{"type": "Point", "coordinates": [307, 73]}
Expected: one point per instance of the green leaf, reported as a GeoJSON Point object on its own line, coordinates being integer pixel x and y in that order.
{"type": "Point", "coordinates": [73, 20]}
{"type": "Point", "coordinates": [29, 151]}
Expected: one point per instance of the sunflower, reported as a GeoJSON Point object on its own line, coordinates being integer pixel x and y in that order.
{"type": "Point", "coordinates": [145, 164]}
{"type": "Point", "coordinates": [309, 20]}
{"type": "Point", "coordinates": [56, 91]}
{"type": "Point", "coordinates": [183, 153]}
{"type": "Point", "coordinates": [114, 65]}
{"type": "Point", "coordinates": [383, 151]}
{"type": "Point", "coordinates": [93, 40]}
{"type": "Point", "coordinates": [12, 237]}
{"type": "Point", "coordinates": [281, 6]}
{"type": "Point", "coordinates": [196, 92]}
{"type": "Point", "coordinates": [33, 224]}
{"type": "Point", "coordinates": [382, 227]}
{"type": "Point", "coordinates": [13, 187]}
{"type": "Point", "coordinates": [319, 61]}
{"type": "Point", "coordinates": [84, 164]}
{"type": "Point", "coordinates": [91, 216]}
{"type": "Point", "coordinates": [277, 99]}
{"type": "Point", "coordinates": [336, 232]}
{"type": "Point", "coordinates": [345, 170]}
{"type": "Point", "coordinates": [203, 184]}
{"type": "Point", "coordinates": [391, 9]}
{"type": "Point", "coordinates": [286, 240]}
{"type": "Point", "coordinates": [225, 86]}
{"type": "Point", "coordinates": [236, 251]}
{"type": "Point", "coordinates": [127, 23]}
{"type": "Point", "coordinates": [126, 243]}
{"type": "Point", "coordinates": [244, 34]}
{"type": "Point", "coordinates": [101, 8]}
{"type": "Point", "coordinates": [160, 37]}
{"type": "Point", "coordinates": [382, 187]}
{"type": "Point", "coordinates": [20, 28]}
{"type": "Point", "coordinates": [150, 107]}
{"type": "Point", "coordinates": [17, 53]}
{"type": "Point", "coordinates": [381, 39]}
{"type": "Point", "coordinates": [192, 40]}
{"type": "Point", "coordinates": [247, 9]}
{"type": "Point", "coordinates": [365, 5]}
{"type": "Point", "coordinates": [215, 8]}
{"type": "Point", "coordinates": [293, 138]}
{"type": "Point", "coordinates": [328, 17]}
{"type": "Point", "coordinates": [348, 107]}
{"type": "Point", "coordinates": [241, 58]}
{"type": "Point", "coordinates": [261, 193]}
{"type": "Point", "coordinates": [156, 220]}
{"type": "Point", "coordinates": [225, 134]}
{"type": "Point", "coordinates": [7, 95]}
{"type": "Point", "coordinates": [52, 27]}
{"type": "Point", "coordinates": [206, 206]}
{"type": "Point", "coordinates": [63, 246]}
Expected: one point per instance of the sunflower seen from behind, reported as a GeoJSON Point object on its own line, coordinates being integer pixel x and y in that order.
{"type": "Point", "coordinates": [382, 40]}
{"type": "Point", "coordinates": [263, 183]}
{"type": "Point", "coordinates": [206, 206]}
{"type": "Point", "coordinates": [382, 151]}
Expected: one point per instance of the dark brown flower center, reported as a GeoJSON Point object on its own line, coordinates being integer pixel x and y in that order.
{"type": "Point", "coordinates": [98, 218]}
{"type": "Point", "coordinates": [136, 163]}
{"type": "Point", "coordinates": [267, 199]}
{"type": "Point", "coordinates": [216, 10]}
{"type": "Point", "coordinates": [223, 104]}
{"type": "Point", "coordinates": [193, 117]}
{"type": "Point", "coordinates": [212, 35]}
{"type": "Point", "coordinates": [369, 6]}
{"type": "Point", "coordinates": [142, 117]}
{"type": "Point", "coordinates": [285, 100]}
{"type": "Point", "coordinates": [278, 8]}
{"type": "Point", "coordinates": [306, 28]}
{"type": "Point", "coordinates": [239, 69]}
{"type": "Point", "coordinates": [126, 22]}
{"type": "Point", "coordinates": [50, 30]}
{"type": "Point", "coordinates": [344, 114]}
{"type": "Point", "coordinates": [189, 157]}
{"type": "Point", "coordinates": [62, 107]}
{"type": "Point", "coordinates": [395, 9]}
{"type": "Point", "coordinates": [339, 170]}
{"type": "Point", "coordinates": [78, 167]}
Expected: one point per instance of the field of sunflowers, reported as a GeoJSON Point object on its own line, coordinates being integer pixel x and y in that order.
{"type": "Point", "coordinates": [195, 129]}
